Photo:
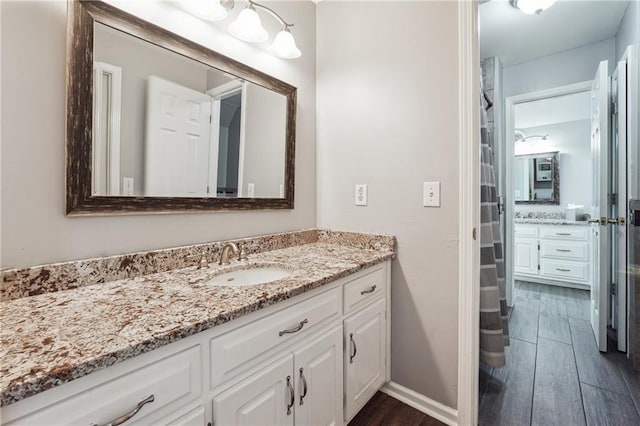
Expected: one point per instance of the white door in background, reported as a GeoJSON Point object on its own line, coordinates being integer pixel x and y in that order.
{"type": "Point", "coordinates": [178, 143]}
{"type": "Point", "coordinates": [600, 231]}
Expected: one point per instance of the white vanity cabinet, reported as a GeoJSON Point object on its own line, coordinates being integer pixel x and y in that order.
{"type": "Point", "coordinates": [552, 254]}
{"type": "Point", "coordinates": [314, 359]}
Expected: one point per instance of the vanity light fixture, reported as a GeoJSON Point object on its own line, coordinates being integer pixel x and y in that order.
{"type": "Point", "coordinates": [209, 10]}
{"type": "Point", "coordinates": [247, 26]}
{"type": "Point", "coordinates": [531, 7]}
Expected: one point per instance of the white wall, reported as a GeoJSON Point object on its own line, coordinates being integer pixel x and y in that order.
{"type": "Point", "coordinates": [265, 130]}
{"type": "Point", "coordinates": [573, 141]}
{"type": "Point", "coordinates": [628, 31]}
{"type": "Point", "coordinates": [561, 69]}
{"type": "Point", "coordinates": [387, 117]}
{"type": "Point", "coordinates": [34, 228]}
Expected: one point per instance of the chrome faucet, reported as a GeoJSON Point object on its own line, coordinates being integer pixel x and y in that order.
{"type": "Point", "coordinates": [224, 255]}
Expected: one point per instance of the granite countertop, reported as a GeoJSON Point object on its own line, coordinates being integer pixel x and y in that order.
{"type": "Point", "coordinates": [540, 221]}
{"type": "Point", "coordinates": [50, 339]}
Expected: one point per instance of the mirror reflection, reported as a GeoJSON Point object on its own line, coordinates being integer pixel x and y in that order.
{"type": "Point", "coordinates": [536, 178]}
{"type": "Point", "coordinates": [169, 126]}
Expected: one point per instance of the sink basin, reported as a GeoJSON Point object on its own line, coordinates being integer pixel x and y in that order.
{"type": "Point", "coordinates": [244, 275]}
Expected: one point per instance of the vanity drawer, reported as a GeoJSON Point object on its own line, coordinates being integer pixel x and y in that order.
{"type": "Point", "coordinates": [569, 232]}
{"type": "Point", "coordinates": [365, 288]}
{"type": "Point", "coordinates": [242, 348]}
{"type": "Point", "coordinates": [564, 270]}
{"type": "Point", "coordinates": [173, 382]}
{"type": "Point", "coordinates": [564, 250]}
{"type": "Point", "coordinates": [528, 231]}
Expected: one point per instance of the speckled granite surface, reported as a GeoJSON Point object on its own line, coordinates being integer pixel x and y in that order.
{"type": "Point", "coordinates": [535, 221]}
{"type": "Point", "coordinates": [53, 338]}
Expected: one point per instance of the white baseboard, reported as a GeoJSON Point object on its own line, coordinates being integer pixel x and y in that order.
{"type": "Point", "coordinates": [420, 402]}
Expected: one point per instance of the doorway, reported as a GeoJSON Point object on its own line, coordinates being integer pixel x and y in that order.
{"type": "Point", "coordinates": [562, 131]}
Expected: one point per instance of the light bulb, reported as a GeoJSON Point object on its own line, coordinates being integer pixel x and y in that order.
{"type": "Point", "coordinates": [247, 27]}
{"type": "Point", "coordinates": [209, 10]}
{"type": "Point", "coordinates": [284, 45]}
{"type": "Point", "coordinates": [531, 7]}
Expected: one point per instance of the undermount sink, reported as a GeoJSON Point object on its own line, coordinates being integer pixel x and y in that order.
{"type": "Point", "coordinates": [252, 274]}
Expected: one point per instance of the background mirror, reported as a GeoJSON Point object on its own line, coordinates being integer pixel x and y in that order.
{"type": "Point", "coordinates": [537, 179]}
{"type": "Point", "coordinates": [165, 125]}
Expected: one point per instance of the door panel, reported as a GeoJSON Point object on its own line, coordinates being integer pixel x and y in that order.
{"type": "Point", "coordinates": [600, 100]}
{"type": "Point", "coordinates": [261, 399]}
{"type": "Point", "coordinates": [364, 356]}
{"type": "Point", "coordinates": [318, 381]}
{"type": "Point", "coordinates": [177, 143]}
{"type": "Point", "coordinates": [526, 256]}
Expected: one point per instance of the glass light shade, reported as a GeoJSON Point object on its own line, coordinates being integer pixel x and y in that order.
{"type": "Point", "coordinates": [531, 7]}
{"type": "Point", "coordinates": [209, 10]}
{"type": "Point", "coordinates": [247, 27]}
{"type": "Point", "coordinates": [284, 46]}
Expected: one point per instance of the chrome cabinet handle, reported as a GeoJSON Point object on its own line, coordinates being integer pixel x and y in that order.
{"type": "Point", "coordinates": [563, 250]}
{"type": "Point", "coordinates": [563, 270]}
{"type": "Point", "coordinates": [565, 234]}
{"type": "Point", "coordinates": [292, 399]}
{"type": "Point", "coordinates": [304, 386]}
{"type": "Point", "coordinates": [355, 349]}
{"type": "Point", "coordinates": [294, 329]}
{"type": "Point", "coordinates": [370, 290]}
{"type": "Point", "coordinates": [120, 420]}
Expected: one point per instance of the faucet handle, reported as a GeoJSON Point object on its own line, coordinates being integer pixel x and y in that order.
{"type": "Point", "coordinates": [242, 254]}
{"type": "Point", "coordinates": [202, 260]}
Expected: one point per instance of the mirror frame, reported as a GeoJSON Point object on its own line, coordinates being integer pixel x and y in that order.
{"type": "Point", "coordinates": [556, 178]}
{"type": "Point", "coordinates": [82, 14]}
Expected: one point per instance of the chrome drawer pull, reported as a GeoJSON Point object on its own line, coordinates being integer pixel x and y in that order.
{"type": "Point", "coordinates": [292, 399]}
{"type": "Point", "coordinates": [563, 270]}
{"type": "Point", "coordinates": [370, 290]}
{"type": "Point", "coordinates": [304, 386]}
{"type": "Point", "coordinates": [563, 250]}
{"type": "Point", "coordinates": [120, 420]}
{"type": "Point", "coordinates": [355, 349]}
{"type": "Point", "coordinates": [294, 329]}
{"type": "Point", "coordinates": [564, 234]}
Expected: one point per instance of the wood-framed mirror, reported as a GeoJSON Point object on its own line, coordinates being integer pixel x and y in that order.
{"type": "Point", "coordinates": [537, 178]}
{"type": "Point", "coordinates": [159, 124]}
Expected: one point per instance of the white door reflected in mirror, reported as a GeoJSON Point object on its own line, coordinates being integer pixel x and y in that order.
{"type": "Point", "coordinates": [178, 128]}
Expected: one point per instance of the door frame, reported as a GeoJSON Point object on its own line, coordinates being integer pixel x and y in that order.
{"type": "Point", "coordinates": [509, 202]}
{"type": "Point", "coordinates": [217, 93]}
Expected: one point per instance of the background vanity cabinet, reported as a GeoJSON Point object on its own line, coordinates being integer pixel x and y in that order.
{"type": "Point", "coordinates": [552, 254]}
{"type": "Point", "coordinates": [315, 359]}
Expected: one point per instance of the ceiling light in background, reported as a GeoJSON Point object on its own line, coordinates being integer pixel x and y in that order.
{"type": "Point", "coordinates": [209, 10]}
{"type": "Point", "coordinates": [248, 27]}
{"type": "Point", "coordinates": [531, 7]}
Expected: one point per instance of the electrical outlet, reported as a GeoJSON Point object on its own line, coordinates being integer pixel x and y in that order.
{"type": "Point", "coordinates": [361, 195]}
{"type": "Point", "coordinates": [251, 190]}
{"type": "Point", "coordinates": [431, 195]}
{"type": "Point", "coordinates": [281, 191]}
{"type": "Point", "coordinates": [127, 183]}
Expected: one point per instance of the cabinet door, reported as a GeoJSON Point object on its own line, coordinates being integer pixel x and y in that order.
{"type": "Point", "coordinates": [526, 256]}
{"type": "Point", "coordinates": [265, 398]}
{"type": "Point", "coordinates": [365, 341]}
{"type": "Point", "coordinates": [319, 382]}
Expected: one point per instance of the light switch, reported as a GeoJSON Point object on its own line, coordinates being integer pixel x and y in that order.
{"type": "Point", "coordinates": [431, 196]}
{"type": "Point", "coordinates": [251, 190]}
{"type": "Point", "coordinates": [361, 195]}
{"type": "Point", "coordinates": [127, 183]}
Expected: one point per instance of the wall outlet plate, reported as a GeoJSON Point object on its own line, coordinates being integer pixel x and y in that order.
{"type": "Point", "coordinates": [127, 183]}
{"type": "Point", "coordinates": [361, 197]}
{"type": "Point", "coordinates": [251, 190]}
{"type": "Point", "coordinates": [431, 194]}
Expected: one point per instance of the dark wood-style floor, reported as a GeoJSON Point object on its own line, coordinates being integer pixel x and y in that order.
{"type": "Point", "coordinates": [555, 374]}
{"type": "Point", "coordinates": [383, 410]}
